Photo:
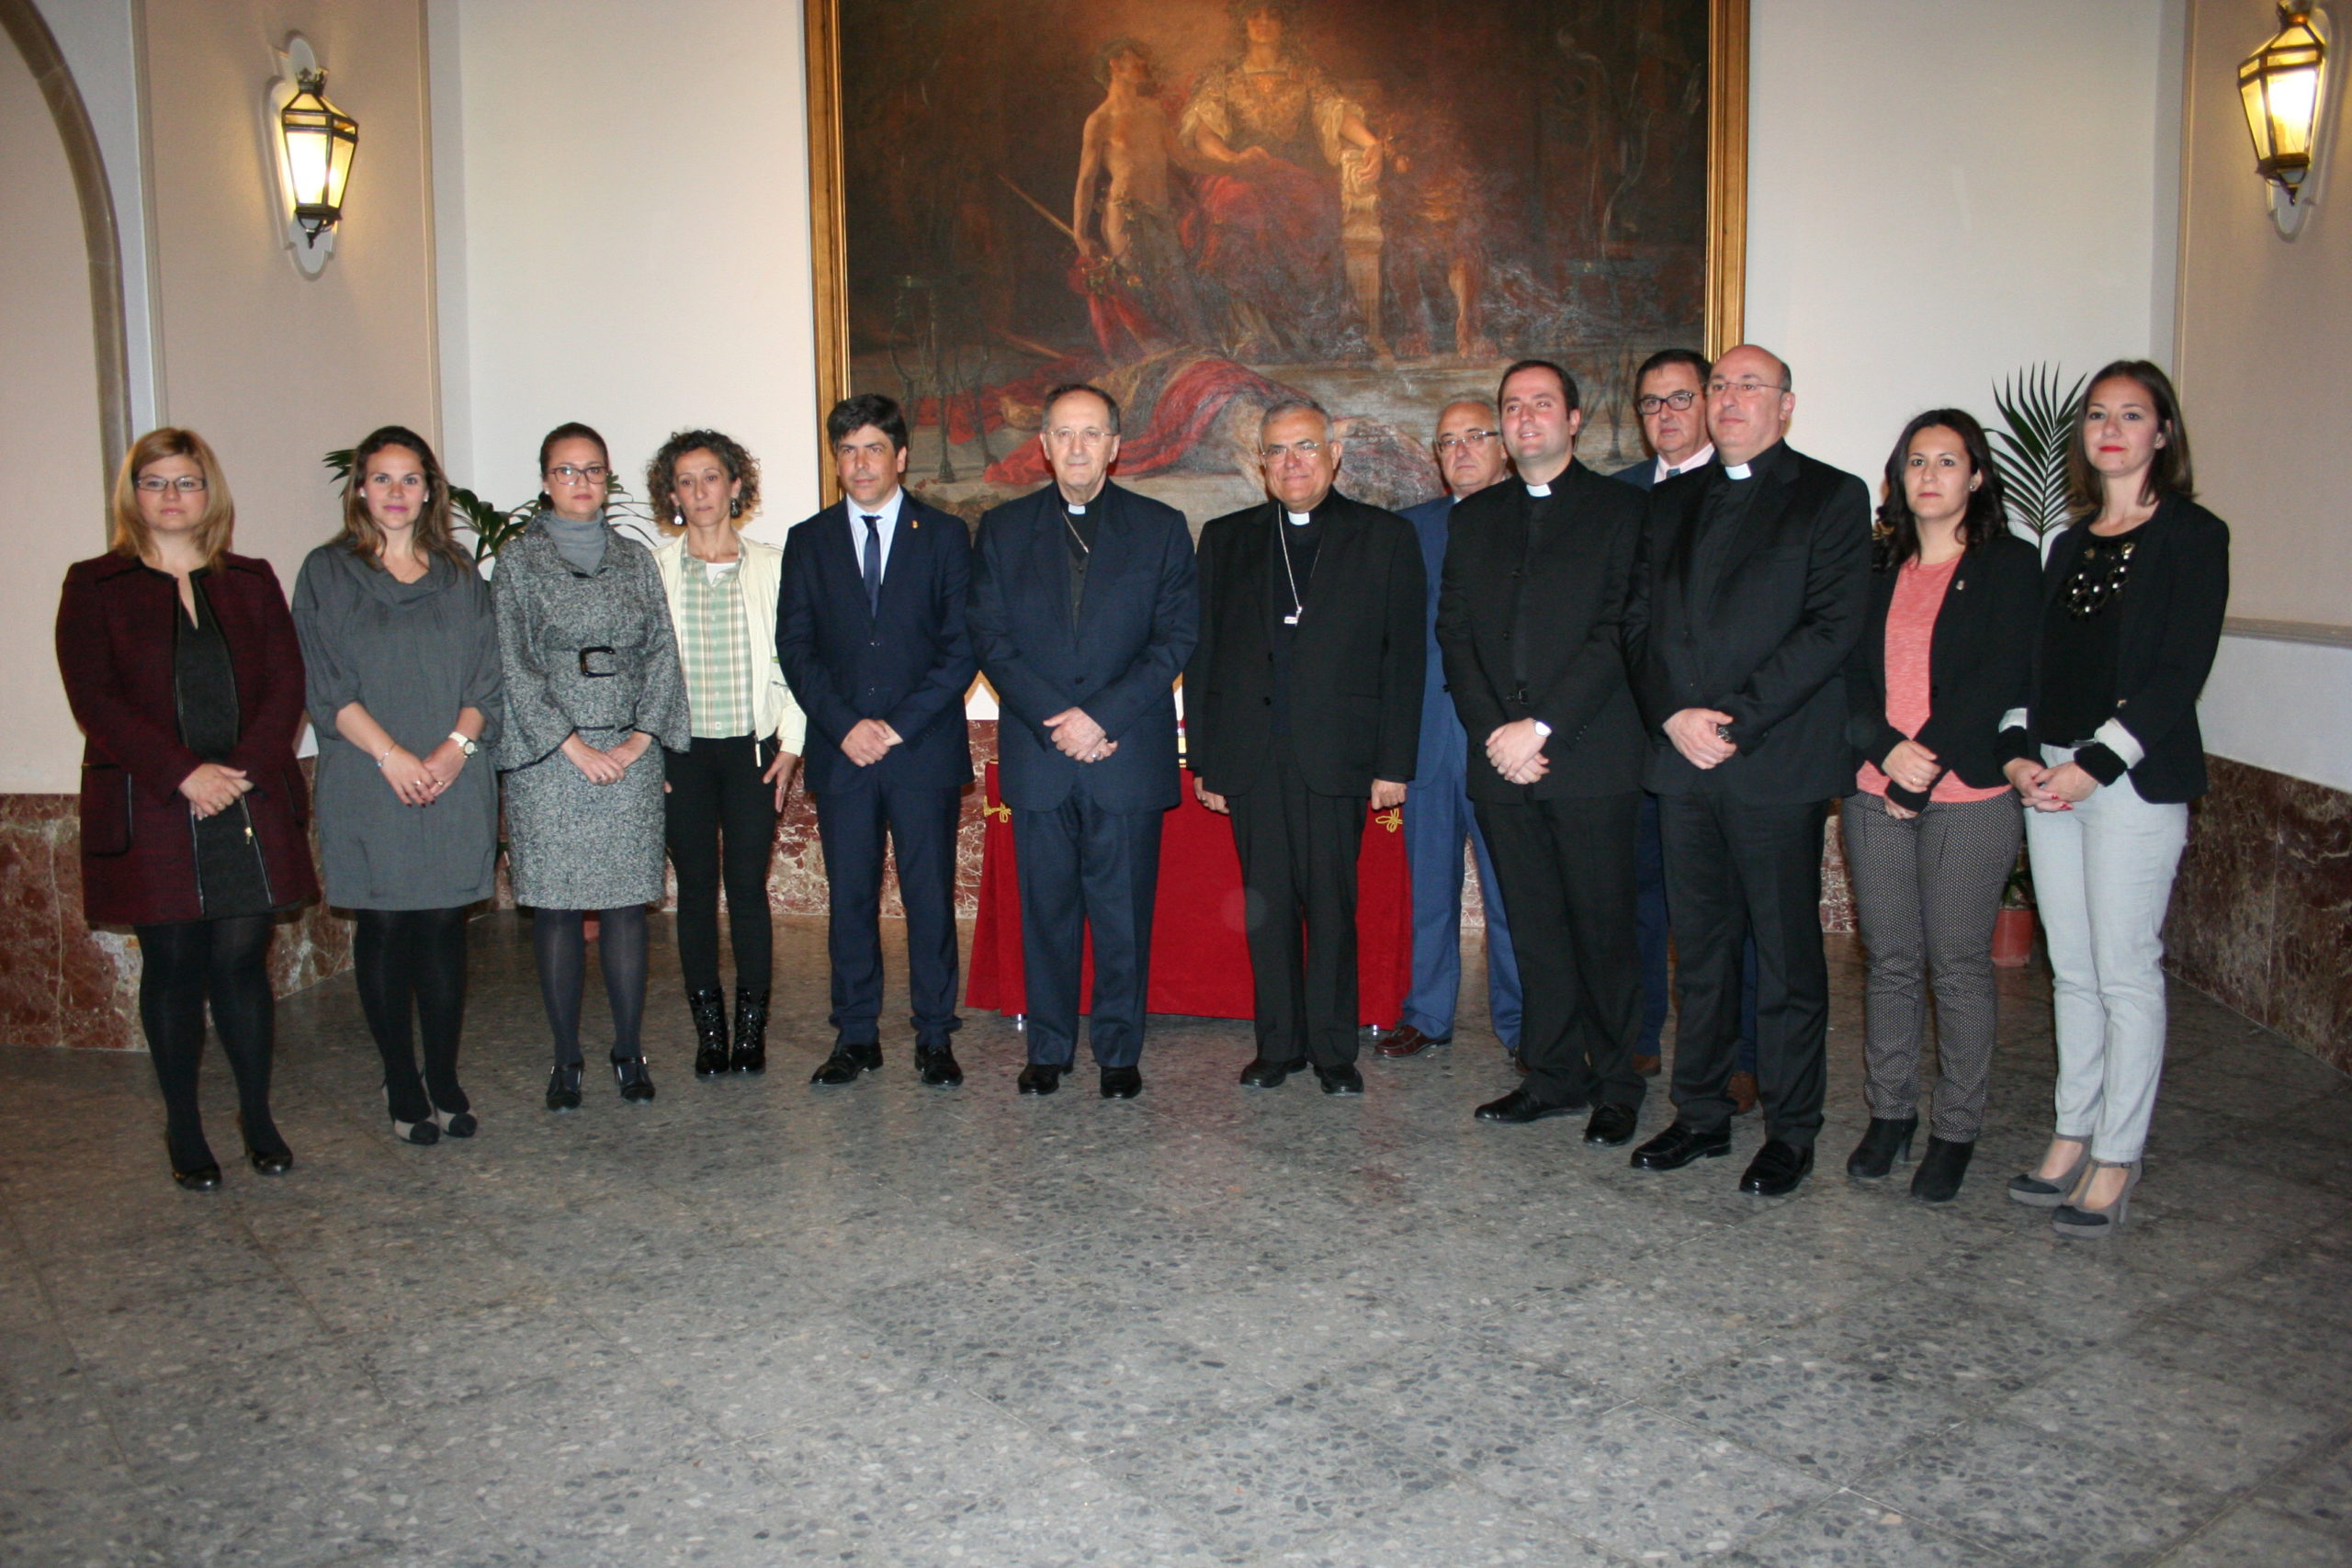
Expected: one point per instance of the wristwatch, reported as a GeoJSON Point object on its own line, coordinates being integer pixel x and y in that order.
{"type": "Point", "coordinates": [468, 746]}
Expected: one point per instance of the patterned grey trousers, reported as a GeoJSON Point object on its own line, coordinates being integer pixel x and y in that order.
{"type": "Point", "coordinates": [1926, 890]}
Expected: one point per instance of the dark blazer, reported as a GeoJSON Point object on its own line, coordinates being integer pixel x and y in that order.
{"type": "Point", "coordinates": [115, 648]}
{"type": "Point", "coordinates": [908, 664]}
{"type": "Point", "coordinates": [1119, 661]}
{"type": "Point", "coordinates": [2173, 606]}
{"type": "Point", "coordinates": [1767, 642]}
{"type": "Point", "coordinates": [1359, 661]}
{"type": "Point", "coordinates": [1977, 665]}
{"type": "Point", "coordinates": [1562, 662]}
{"type": "Point", "coordinates": [1641, 476]}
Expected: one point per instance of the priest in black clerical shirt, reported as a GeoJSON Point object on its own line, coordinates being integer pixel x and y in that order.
{"type": "Point", "coordinates": [1303, 706]}
{"type": "Point", "coordinates": [1084, 603]}
{"type": "Point", "coordinates": [1754, 588]}
{"type": "Point", "coordinates": [1531, 617]}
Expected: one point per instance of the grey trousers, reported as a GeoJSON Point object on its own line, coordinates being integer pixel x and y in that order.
{"type": "Point", "coordinates": [1926, 890]}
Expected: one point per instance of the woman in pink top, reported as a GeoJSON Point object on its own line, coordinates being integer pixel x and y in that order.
{"type": "Point", "coordinates": [1932, 828]}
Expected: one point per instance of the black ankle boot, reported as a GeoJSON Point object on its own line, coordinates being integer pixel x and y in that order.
{"type": "Point", "coordinates": [751, 1031]}
{"type": "Point", "coordinates": [709, 1009]}
{"type": "Point", "coordinates": [1941, 1171]}
{"type": "Point", "coordinates": [1886, 1142]}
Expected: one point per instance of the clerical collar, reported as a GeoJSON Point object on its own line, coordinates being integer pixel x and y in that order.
{"type": "Point", "coordinates": [1738, 470]}
{"type": "Point", "coordinates": [1298, 519]}
{"type": "Point", "coordinates": [1539, 491]}
{"type": "Point", "coordinates": [1075, 508]}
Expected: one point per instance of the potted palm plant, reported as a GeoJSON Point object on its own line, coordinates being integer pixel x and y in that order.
{"type": "Point", "coordinates": [2037, 424]}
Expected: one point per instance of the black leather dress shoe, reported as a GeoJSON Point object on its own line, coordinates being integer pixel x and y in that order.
{"type": "Point", "coordinates": [636, 1083]}
{"type": "Point", "coordinates": [1262, 1073]}
{"type": "Point", "coordinates": [1521, 1105]}
{"type": "Point", "coordinates": [1340, 1077]}
{"type": "Point", "coordinates": [203, 1179]}
{"type": "Point", "coordinates": [1679, 1146]}
{"type": "Point", "coordinates": [1611, 1126]}
{"type": "Point", "coordinates": [1122, 1083]}
{"type": "Point", "coordinates": [1777, 1168]}
{"type": "Point", "coordinates": [938, 1067]}
{"type": "Point", "coordinates": [271, 1162]}
{"type": "Point", "coordinates": [1039, 1078]}
{"type": "Point", "coordinates": [564, 1088]}
{"type": "Point", "coordinates": [846, 1063]}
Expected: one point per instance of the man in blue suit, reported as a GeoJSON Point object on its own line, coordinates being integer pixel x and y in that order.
{"type": "Point", "coordinates": [1470, 456]}
{"type": "Point", "coordinates": [1085, 605]}
{"type": "Point", "coordinates": [1673, 410]}
{"type": "Point", "coordinates": [871, 634]}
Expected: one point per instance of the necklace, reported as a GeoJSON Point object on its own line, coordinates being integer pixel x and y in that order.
{"type": "Point", "coordinates": [1296, 607]}
{"type": "Point", "coordinates": [1082, 545]}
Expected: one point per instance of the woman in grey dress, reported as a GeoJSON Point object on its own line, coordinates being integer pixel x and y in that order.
{"type": "Point", "coordinates": [592, 687]}
{"type": "Point", "coordinates": [403, 689]}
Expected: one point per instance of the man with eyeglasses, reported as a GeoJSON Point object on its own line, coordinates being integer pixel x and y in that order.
{"type": "Point", "coordinates": [1303, 706]}
{"type": "Point", "coordinates": [1669, 398]}
{"type": "Point", "coordinates": [1755, 591]}
{"type": "Point", "coordinates": [1471, 457]}
{"type": "Point", "coordinates": [1531, 619]}
{"type": "Point", "coordinates": [1085, 603]}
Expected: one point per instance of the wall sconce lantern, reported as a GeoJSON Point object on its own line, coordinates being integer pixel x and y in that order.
{"type": "Point", "coordinates": [2283, 87]}
{"type": "Point", "coordinates": [314, 142]}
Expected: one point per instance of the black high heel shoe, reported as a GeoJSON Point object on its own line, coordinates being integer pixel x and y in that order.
{"type": "Point", "coordinates": [271, 1162]}
{"type": "Point", "coordinates": [637, 1084]}
{"type": "Point", "coordinates": [1887, 1141]}
{"type": "Point", "coordinates": [203, 1179]}
{"type": "Point", "coordinates": [563, 1087]}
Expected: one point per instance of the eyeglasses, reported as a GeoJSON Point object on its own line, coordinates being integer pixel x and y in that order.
{"type": "Point", "coordinates": [1449, 444]}
{"type": "Point", "coordinates": [1649, 404]}
{"type": "Point", "coordinates": [186, 484]}
{"type": "Point", "coordinates": [1304, 449]}
{"type": "Point", "coordinates": [1749, 388]}
{"type": "Point", "coordinates": [1067, 437]}
{"type": "Point", "coordinates": [593, 473]}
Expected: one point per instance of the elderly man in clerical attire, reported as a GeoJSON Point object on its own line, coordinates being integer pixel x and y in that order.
{"type": "Point", "coordinates": [1084, 605]}
{"type": "Point", "coordinates": [1303, 706]}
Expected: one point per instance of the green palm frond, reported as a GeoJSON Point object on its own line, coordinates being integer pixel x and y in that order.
{"type": "Point", "coordinates": [2031, 453]}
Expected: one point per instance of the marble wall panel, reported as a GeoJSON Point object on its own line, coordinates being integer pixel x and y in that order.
{"type": "Point", "coordinates": [2261, 913]}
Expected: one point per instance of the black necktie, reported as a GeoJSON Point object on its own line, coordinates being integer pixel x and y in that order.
{"type": "Point", "coordinates": [873, 562]}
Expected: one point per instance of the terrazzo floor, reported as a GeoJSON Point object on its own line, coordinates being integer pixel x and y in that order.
{"type": "Point", "coordinates": [758, 1323]}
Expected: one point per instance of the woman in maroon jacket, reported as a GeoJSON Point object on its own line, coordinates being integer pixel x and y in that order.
{"type": "Point", "coordinates": [181, 664]}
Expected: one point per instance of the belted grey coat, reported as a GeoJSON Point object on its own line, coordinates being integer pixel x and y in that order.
{"type": "Point", "coordinates": [590, 652]}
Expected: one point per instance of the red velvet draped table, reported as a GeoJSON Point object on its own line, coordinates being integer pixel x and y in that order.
{"type": "Point", "coordinates": [1199, 956]}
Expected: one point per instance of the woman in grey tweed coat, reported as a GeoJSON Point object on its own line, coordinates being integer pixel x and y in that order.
{"type": "Point", "coordinates": [592, 687]}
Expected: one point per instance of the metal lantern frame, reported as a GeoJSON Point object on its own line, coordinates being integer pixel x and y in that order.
{"type": "Point", "coordinates": [2283, 87]}
{"type": "Point", "coordinates": [314, 146]}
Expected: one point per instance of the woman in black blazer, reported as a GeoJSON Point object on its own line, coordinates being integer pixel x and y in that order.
{"type": "Point", "coordinates": [1932, 827]}
{"type": "Point", "coordinates": [2107, 751]}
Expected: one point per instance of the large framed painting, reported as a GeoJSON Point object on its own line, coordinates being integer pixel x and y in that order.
{"type": "Point", "coordinates": [1207, 205]}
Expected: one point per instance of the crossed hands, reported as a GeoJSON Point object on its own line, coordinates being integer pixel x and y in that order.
{"type": "Point", "coordinates": [1517, 751]}
{"type": "Point", "coordinates": [1079, 737]}
{"type": "Point", "coordinates": [604, 767]}
{"type": "Point", "coordinates": [420, 782]}
{"type": "Point", "coordinates": [214, 787]}
{"type": "Point", "coordinates": [1695, 734]}
{"type": "Point", "coordinates": [868, 741]}
{"type": "Point", "coordinates": [2050, 789]}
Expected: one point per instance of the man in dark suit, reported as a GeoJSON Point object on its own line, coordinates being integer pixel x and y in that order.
{"type": "Point", "coordinates": [1470, 456]}
{"type": "Point", "coordinates": [1670, 399]}
{"type": "Point", "coordinates": [1303, 702]}
{"type": "Point", "coordinates": [1532, 620]}
{"type": "Point", "coordinates": [1085, 605]}
{"type": "Point", "coordinates": [1756, 587]}
{"type": "Point", "coordinates": [870, 631]}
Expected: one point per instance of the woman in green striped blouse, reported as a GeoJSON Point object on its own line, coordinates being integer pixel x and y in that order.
{"type": "Point", "coordinates": [727, 790]}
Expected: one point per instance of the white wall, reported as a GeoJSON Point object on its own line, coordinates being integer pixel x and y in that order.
{"type": "Point", "coordinates": [631, 198]}
{"type": "Point", "coordinates": [1940, 194]}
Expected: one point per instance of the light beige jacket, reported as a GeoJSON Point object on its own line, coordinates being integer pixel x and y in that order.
{"type": "Point", "coordinates": [773, 713]}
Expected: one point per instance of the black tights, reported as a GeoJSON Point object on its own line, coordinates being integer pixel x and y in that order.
{"type": "Point", "coordinates": [184, 964]}
{"type": "Point", "coordinates": [562, 949]}
{"type": "Point", "coordinates": [412, 962]}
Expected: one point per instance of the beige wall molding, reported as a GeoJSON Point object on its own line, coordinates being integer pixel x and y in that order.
{"type": "Point", "coordinates": [2319, 632]}
{"type": "Point", "coordinates": [42, 58]}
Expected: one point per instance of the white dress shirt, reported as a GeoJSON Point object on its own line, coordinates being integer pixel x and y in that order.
{"type": "Point", "coordinates": [888, 513]}
{"type": "Point", "coordinates": [1698, 459]}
